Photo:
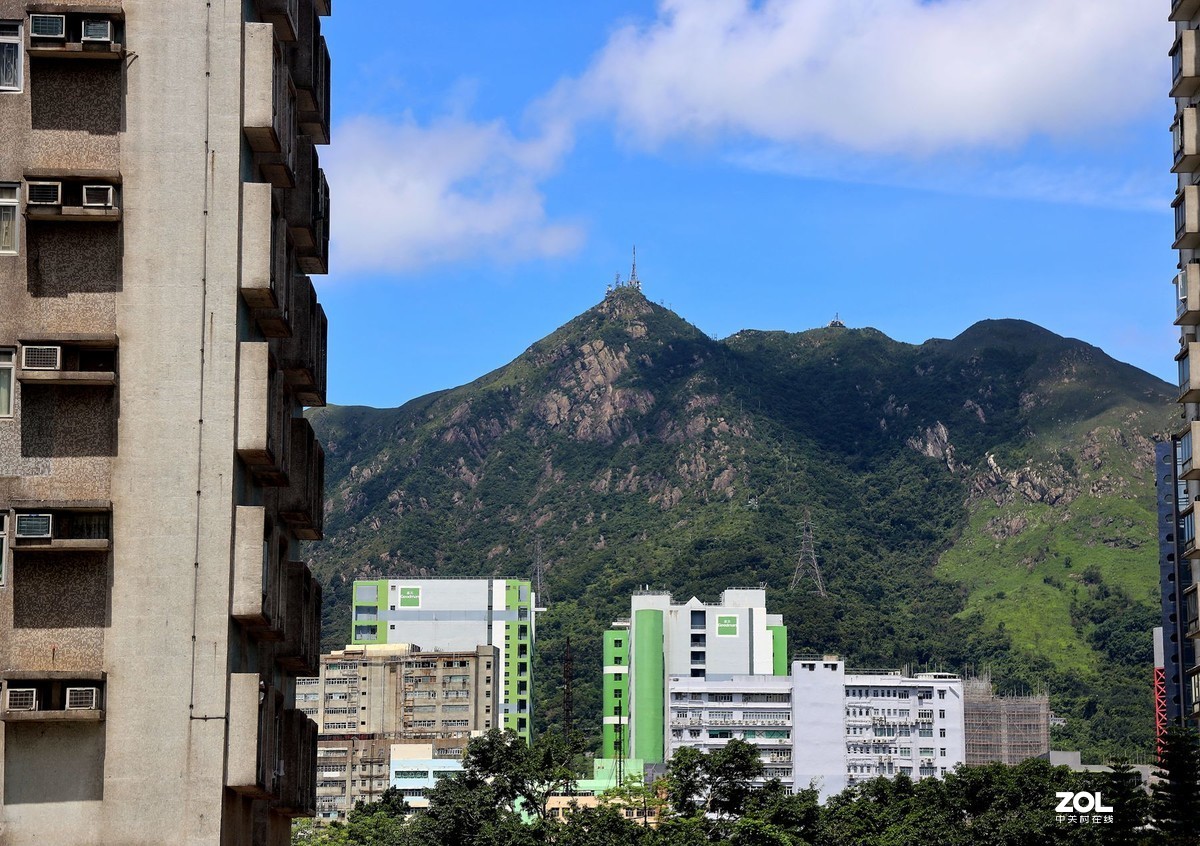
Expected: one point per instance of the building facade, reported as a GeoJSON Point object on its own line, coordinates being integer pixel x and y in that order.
{"type": "Point", "coordinates": [398, 691]}
{"type": "Point", "coordinates": [1004, 729]}
{"type": "Point", "coordinates": [884, 724]}
{"type": "Point", "coordinates": [161, 209]}
{"type": "Point", "coordinates": [661, 639]}
{"type": "Point", "coordinates": [459, 615]}
{"type": "Point", "coordinates": [1178, 475]}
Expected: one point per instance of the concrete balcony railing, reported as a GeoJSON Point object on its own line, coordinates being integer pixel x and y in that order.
{"type": "Point", "coordinates": [300, 651]}
{"type": "Point", "coordinates": [1185, 64]}
{"type": "Point", "coordinates": [1184, 10]}
{"type": "Point", "coordinates": [1187, 218]}
{"type": "Point", "coordinates": [310, 75]}
{"type": "Point", "coordinates": [307, 211]}
{"type": "Point", "coordinates": [302, 503]}
{"type": "Point", "coordinates": [267, 264]}
{"type": "Point", "coordinates": [284, 15]}
{"type": "Point", "coordinates": [1185, 140]}
{"type": "Point", "coordinates": [269, 106]}
{"type": "Point", "coordinates": [303, 355]}
{"type": "Point", "coordinates": [1189, 373]}
{"type": "Point", "coordinates": [264, 439]}
{"type": "Point", "coordinates": [259, 583]}
{"type": "Point", "coordinates": [252, 754]}
{"type": "Point", "coordinates": [298, 780]}
{"type": "Point", "coordinates": [1189, 460]}
{"type": "Point", "coordinates": [1187, 295]}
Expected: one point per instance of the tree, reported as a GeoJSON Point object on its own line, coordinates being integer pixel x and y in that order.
{"type": "Point", "coordinates": [1123, 791]}
{"type": "Point", "coordinates": [1176, 799]}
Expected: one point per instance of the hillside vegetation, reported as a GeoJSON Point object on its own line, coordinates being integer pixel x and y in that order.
{"type": "Point", "coordinates": [978, 503]}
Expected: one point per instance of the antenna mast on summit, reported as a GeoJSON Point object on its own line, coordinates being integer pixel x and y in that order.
{"type": "Point", "coordinates": [807, 563]}
{"type": "Point", "coordinates": [634, 282]}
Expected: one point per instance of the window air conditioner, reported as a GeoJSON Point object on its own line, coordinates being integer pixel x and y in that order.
{"type": "Point", "coordinates": [35, 526]}
{"type": "Point", "coordinates": [21, 699]}
{"type": "Point", "coordinates": [41, 358]}
{"type": "Point", "coordinates": [97, 30]}
{"type": "Point", "coordinates": [98, 196]}
{"type": "Point", "coordinates": [45, 193]}
{"type": "Point", "coordinates": [83, 698]}
{"type": "Point", "coordinates": [48, 26]}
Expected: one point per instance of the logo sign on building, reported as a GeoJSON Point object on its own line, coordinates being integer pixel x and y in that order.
{"type": "Point", "coordinates": [410, 597]}
{"type": "Point", "coordinates": [727, 625]}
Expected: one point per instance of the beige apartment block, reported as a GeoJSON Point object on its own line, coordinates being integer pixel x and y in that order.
{"type": "Point", "coordinates": [161, 204]}
{"type": "Point", "coordinates": [396, 691]}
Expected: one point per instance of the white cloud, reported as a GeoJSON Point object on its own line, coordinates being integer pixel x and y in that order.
{"type": "Point", "coordinates": [877, 76]}
{"type": "Point", "coordinates": [408, 196]}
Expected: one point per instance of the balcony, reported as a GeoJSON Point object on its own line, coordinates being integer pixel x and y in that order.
{"type": "Point", "coordinates": [252, 753]}
{"type": "Point", "coordinates": [310, 75]}
{"type": "Point", "coordinates": [263, 437]}
{"type": "Point", "coordinates": [1184, 10]}
{"type": "Point", "coordinates": [1187, 295]}
{"type": "Point", "coordinates": [52, 697]}
{"type": "Point", "coordinates": [284, 15]}
{"type": "Point", "coordinates": [1185, 65]}
{"type": "Point", "coordinates": [302, 503]}
{"type": "Point", "coordinates": [300, 652]}
{"type": "Point", "coordinates": [1189, 377]}
{"type": "Point", "coordinates": [68, 359]}
{"type": "Point", "coordinates": [94, 31]}
{"type": "Point", "coordinates": [267, 266]}
{"type": "Point", "coordinates": [1185, 141]}
{"type": "Point", "coordinates": [1188, 440]}
{"type": "Point", "coordinates": [269, 106]}
{"type": "Point", "coordinates": [71, 526]}
{"type": "Point", "coordinates": [1187, 218]}
{"type": "Point", "coordinates": [298, 781]}
{"type": "Point", "coordinates": [307, 211]}
{"type": "Point", "coordinates": [257, 600]}
{"type": "Point", "coordinates": [303, 355]}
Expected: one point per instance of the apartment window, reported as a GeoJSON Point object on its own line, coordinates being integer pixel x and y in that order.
{"type": "Point", "coordinates": [941, 694]}
{"type": "Point", "coordinates": [10, 56]}
{"type": "Point", "coordinates": [941, 715]}
{"type": "Point", "coordinates": [3, 543]}
{"type": "Point", "coordinates": [9, 200]}
{"type": "Point", "coordinates": [941, 732]}
{"type": "Point", "coordinates": [6, 382]}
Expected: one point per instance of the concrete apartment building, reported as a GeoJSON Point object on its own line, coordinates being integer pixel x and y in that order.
{"type": "Point", "coordinates": [459, 615]}
{"type": "Point", "coordinates": [161, 204]}
{"type": "Point", "coordinates": [1178, 471]}
{"type": "Point", "coordinates": [398, 691]}
{"type": "Point", "coordinates": [661, 639]}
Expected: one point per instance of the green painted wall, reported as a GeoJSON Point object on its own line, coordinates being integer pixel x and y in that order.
{"type": "Point", "coordinates": [380, 605]}
{"type": "Point", "coordinates": [779, 657]}
{"type": "Point", "coordinates": [648, 685]}
{"type": "Point", "coordinates": [518, 657]}
{"type": "Point", "coordinates": [615, 690]}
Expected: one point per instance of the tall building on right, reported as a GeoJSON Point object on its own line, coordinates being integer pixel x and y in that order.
{"type": "Point", "coordinates": [1177, 474]}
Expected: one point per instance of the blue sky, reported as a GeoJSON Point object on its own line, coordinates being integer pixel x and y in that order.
{"type": "Point", "coordinates": [912, 166]}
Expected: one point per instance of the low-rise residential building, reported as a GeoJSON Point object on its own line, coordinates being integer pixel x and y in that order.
{"type": "Point", "coordinates": [416, 768]}
{"type": "Point", "coordinates": [608, 774]}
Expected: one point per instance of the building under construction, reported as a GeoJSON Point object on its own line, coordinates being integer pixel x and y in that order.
{"type": "Point", "coordinates": [1004, 729]}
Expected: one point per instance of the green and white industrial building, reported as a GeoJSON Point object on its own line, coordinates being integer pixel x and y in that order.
{"type": "Point", "coordinates": [458, 614]}
{"type": "Point", "coordinates": [661, 639]}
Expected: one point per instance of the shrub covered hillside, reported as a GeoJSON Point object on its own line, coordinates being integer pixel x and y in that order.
{"type": "Point", "coordinates": [984, 502]}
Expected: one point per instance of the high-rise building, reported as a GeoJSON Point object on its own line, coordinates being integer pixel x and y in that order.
{"type": "Point", "coordinates": [735, 636]}
{"type": "Point", "coordinates": [458, 615]}
{"type": "Point", "coordinates": [161, 204]}
{"type": "Point", "coordinates": [1178, 475]}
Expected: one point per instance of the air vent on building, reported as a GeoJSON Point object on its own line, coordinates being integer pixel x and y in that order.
{"type": "Point", "coordinates": [35, 525]}
{"type": "Point", "coordinates": [98, 196]}
{"type": "Point", "coordinates": [41, 358]}
{"type": "Point", "coordinates": [45, 193]}
{"type": "Point", "coordinates": [97, 30]}
{"type": "Point", "coordinates": [83, 698]}
{"type": "Point", "coordinates": [48, 26]}
{"type": "Point", "coordinates": [22, 699]}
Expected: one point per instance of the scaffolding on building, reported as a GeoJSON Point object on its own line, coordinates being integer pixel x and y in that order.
{"type": "Point", "coordinates": [1004, 729]}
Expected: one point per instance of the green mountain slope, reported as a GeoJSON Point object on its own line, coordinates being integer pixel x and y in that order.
{"type": "Point", "coordinates": [981, 502]}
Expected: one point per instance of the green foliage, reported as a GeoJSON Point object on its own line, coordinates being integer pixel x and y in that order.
{"type": "Point", "coordinates": [1176, 798]}
{"type": "Point", "coordinates": [638, 451]}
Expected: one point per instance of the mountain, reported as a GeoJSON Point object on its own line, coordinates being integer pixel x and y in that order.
{"type": "Point", "coordinates": [981, 503]}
